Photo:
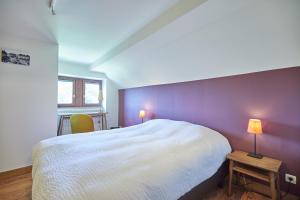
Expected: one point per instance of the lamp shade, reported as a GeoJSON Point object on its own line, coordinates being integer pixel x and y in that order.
{"type": "Point", "coordinates": [142, 114]}
{"type": "Point", "coordinates": [254, 126]}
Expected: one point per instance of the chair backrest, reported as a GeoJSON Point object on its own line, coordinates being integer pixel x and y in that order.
{"type": "Point", "coordinates": [81, 123]}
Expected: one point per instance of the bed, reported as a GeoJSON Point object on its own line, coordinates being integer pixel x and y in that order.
{"type": "Point", "coordinates": [159, 159]}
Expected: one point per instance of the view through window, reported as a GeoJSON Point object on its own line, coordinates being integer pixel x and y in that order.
{"type": "Point", "coordinates": [65, 92]}
{"type": "Point", "coordinates": [91, 93]}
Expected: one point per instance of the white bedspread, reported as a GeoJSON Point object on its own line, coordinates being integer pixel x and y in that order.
{"type": "Point", "coordinates": [159, 159]}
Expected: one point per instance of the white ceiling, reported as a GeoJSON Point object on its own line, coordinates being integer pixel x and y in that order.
{"type": "Point", "coordinates": [84, 29]}
{"type": "Point", "coordinates": [142, 42]}
{"type": "Point", "coordinates": [27, 18]}
{"type": "Point", "coordinates": [217, 38]}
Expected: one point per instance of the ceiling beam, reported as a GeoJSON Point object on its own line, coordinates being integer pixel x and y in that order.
{"type": "Point", "coordinates": [177, 10]}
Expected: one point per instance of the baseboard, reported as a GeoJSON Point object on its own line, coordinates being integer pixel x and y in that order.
{"type": "Point", "coordinates": [15, 172]}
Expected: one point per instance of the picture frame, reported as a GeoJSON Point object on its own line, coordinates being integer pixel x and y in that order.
{"type": "Point", "coordinates": [15, 57]}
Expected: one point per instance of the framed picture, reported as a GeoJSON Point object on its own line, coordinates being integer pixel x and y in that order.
{"type": "Point", "coordinates": [15, 57]}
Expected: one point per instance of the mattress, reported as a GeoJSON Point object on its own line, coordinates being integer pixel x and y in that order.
{"type": "Point", "coordinates": [159, 159]}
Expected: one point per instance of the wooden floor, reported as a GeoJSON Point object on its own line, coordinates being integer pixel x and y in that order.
{"type": "Point", "coordinates": [19, 188]}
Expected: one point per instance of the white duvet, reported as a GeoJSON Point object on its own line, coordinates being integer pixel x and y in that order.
{"type": "Point", "coordinates": [159, 159]}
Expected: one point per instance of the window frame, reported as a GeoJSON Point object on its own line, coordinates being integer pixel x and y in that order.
{"type": "Point", "coordinates": [78, 99]}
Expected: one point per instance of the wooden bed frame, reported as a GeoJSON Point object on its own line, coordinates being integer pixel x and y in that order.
{"type": "Point", "coordinates": [217, 180]}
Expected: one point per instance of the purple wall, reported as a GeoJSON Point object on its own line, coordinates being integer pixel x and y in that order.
{"type": "Point", "coordinates": [225, 104]}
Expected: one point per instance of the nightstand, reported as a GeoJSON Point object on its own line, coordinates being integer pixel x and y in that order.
{"type": "Point", "coordinates": [265, 169]}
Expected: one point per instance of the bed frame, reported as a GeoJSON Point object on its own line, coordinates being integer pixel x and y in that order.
{"type": "Point", "coordinates": [217, 180]}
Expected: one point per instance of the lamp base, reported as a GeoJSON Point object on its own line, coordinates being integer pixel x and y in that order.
{"type": "Point", "coordinates": [255, 155]}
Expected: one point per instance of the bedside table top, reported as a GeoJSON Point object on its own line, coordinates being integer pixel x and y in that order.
{"type": "Point", "coordinates": [265, 163]}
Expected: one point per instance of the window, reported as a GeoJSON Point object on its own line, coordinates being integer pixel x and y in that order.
{"type": "Point", "coordinates": [65, 92]}
{"type": "Point", "coordinates": [77, 92]}
{"type": "Point", "coordinates": [91, 93]}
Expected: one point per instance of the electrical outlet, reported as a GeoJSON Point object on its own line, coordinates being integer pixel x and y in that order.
{"type": "Point", "coordinates": [290, 178]}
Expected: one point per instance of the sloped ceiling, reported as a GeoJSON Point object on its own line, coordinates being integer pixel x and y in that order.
{"type": "Point", "coordinates": [28, 19]}
{"type": "Point", "coordinates": [141, 42]}
{"type": "Point", "coordinates": [217, 38]}
{"type": "Point", "coordinates": [84, 29]}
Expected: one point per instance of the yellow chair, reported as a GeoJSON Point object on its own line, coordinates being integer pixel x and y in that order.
{"type": "Point", "coordinates": [81, 123]}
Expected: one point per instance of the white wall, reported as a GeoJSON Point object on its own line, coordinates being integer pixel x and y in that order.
{"type": "Point", "coordinates": [27, 101]}
{"type": "Point", "coordinates": [110, 90]}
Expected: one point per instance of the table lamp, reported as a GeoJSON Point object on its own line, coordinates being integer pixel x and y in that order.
{"type": "Point", "coordinates": [142, 115]}
{"type": "Point", "coordinates": [254, 127]}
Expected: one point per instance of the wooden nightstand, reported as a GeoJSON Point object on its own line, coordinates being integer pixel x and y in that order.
{"type": "Point", "coordinates": [265, 169]}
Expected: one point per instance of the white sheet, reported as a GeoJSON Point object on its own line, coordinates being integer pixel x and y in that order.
{"type": "Point", "coordinates": [160, 159]}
